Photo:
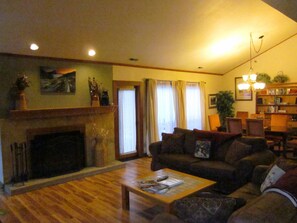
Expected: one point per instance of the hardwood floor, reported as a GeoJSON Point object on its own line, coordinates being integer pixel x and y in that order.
{"type": "Point", "coordinates": [91, 199]}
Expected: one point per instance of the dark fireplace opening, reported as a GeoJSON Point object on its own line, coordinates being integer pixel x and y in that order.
{"type": "Point", "coordinates": [57, 153]}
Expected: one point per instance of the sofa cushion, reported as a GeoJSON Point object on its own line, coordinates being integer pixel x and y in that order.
{"type": "Point", "coordinates": [212, 169]}
{"type": "Point", "coordinates": [237, 151]}
{"type": "Point", "coordinates": [179, 162]}
{"type": "Point", "coordinates": [191, 136]}
{"type": "Point", "coordinates": [203, 149]}
{"type": "Point", "coordinates": [248, 192]}
{"type": "Point", "coordinates": [274, 174]}
{"type": "Point", "coordinates": [283, 163]}
{"type": "Point", "coordinates": [204, 209]}
{"type": "Point", "coordinates": [172, 143]}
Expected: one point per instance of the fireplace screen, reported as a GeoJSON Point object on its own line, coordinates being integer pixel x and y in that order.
{"type": "Point", "coordinates": [57, 153]}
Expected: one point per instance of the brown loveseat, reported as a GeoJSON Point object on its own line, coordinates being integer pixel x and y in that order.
{"type": "Point", "coordinates": [229, 164]}
{"type": "Point", "coordinates": [270, 207]}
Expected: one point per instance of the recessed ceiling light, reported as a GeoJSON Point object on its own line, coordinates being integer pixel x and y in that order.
{"type": "Point", "coordinates": [34, 46]}
{"type": "Point", "coordinates": [92, 53]}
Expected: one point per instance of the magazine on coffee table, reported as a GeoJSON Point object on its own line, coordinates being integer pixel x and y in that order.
{"type": "Point", "coordinates": [159, 187]}
{"type": "Point", "coordinates": [171, 182]}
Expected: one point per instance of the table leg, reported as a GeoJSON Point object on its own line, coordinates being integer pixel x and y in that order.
{"type": "Point", "coordinates": [168, 208]}
{"type": "Point", "coordinates": [125, 198]}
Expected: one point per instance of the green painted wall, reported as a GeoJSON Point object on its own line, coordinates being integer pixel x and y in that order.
{"type": "Point", "coordinates": [11, 66]}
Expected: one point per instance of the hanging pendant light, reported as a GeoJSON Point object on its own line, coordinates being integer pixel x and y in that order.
{"type": "Point", "coordinates": [250, 79]}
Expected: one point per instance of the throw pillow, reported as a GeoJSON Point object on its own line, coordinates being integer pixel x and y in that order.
{"type": "Point", "coordinates": [202, 149]}
{"type": "Point", "coordinates": [172, 143]}
{"type": "Point", "coordinates": [203, 209]}
{"type": "Point", "coordinates": [286, 186]}
{"type": "Point", "coordinates": [274, 174]}
{"type": "Point", "coordinates": [237, 151]}
{"type": "Point", "coordinates": [283, 163]}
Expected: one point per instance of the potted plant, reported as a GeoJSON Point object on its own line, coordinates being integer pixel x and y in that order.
{"type": "Point", "coordinates": [264, 78]}
{"type": "Point", "coordinates": [21, 83]}
{"type": "Point", "coordinates": [280, 78]}
{"type": "Point", "coordinates": [225, 101]}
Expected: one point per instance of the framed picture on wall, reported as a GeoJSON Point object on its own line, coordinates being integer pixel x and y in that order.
{"type": "Point", "coordinates": [57, 80]}
{"type": "Point", "coordinates": [242, 95]}
{"type": "Point", "coordinates": [212, 101]}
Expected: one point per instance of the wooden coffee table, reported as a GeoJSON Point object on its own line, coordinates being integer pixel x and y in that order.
{"type": "Point", "coordinates": [191, 185]}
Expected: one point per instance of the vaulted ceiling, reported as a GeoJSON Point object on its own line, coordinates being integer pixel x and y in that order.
{"type": "Point", "coordinates": [170, 34]}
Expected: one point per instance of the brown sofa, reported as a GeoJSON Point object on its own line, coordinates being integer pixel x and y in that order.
{"type": "Point", "coordinates": [229, 175]}
{"type": "Point", "coordinates": [270, 207]}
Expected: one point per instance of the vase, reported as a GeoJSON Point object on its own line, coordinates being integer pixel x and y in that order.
{"type": "Point", "coordinates": [21, 103]}
{"type": "Point", "coordinates": [95, 101]}
{"type": "Point", "coordinates": [101, 153]}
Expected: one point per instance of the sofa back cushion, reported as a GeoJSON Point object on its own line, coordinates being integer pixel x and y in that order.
{"type": "Point", "coordinates": [237, 151]}
{"type": "Point", "coordinates": [258, 143]}
{"type": "Point", "coordinates": [190, 141]}
{"type": "Point", "coordinates": [172, 143]}
{"type": "Point", "coordinates": [217, 139]}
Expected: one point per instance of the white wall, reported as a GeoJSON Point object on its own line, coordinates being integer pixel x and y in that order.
{"type": "Point", "coordinates": [280, 58]}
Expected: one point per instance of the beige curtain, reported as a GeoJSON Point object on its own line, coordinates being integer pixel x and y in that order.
{"type": "Point", "coordinates": [152, 134]}
{"type": "Point", "coordinates": [180, 103]}
{"type": "Point", "coordinates": [202, 104]}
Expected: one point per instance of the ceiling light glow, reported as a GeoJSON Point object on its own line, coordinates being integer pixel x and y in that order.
{"type": "Point", "coordinates": [92, 53]}
{"type": "Point", "coordinates": [225, 46]}
{"type": "Point", "coordinates": [34, 46]}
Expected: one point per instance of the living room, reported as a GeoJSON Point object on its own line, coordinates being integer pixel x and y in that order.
{"type": "Point", "coordinates": [272, 59]}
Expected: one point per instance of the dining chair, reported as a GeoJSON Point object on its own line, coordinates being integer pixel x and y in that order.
{"type": "Point", "coordinates": [279, 120]}
{"type": "Point", "coordinates": [255, 127]}
{"type": "Point", "coordinates": [243, 115]}
{"type": "Point", "coordinates": [234, 125]}
{"type": "Point", "coordinates": [214, 122]}
{"type": "Point", "coordinates": [261, 116]}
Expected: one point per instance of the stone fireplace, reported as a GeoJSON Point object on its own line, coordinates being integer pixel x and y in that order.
{"type": "Point", "coordinates": [43, 124]}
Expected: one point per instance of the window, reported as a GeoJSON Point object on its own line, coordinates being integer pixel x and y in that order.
{"type": "Point", "coordinates": [193, 108]}
{"type": "Point", "coordinates": [166, 113]}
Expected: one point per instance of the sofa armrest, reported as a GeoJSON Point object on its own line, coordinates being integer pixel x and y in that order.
{"type": "Point", "coordinates": [258, 174]}
{"type": "Point", "coordinates": [246, 165]}
{"type": "Point", "coordinates": [155, 148]}
{"type": "Point", "coordinates": [265, 157]}
{"type": "Point", "coordinates": [270, 207]}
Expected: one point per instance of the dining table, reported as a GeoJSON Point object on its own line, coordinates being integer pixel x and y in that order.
{"type": "Point", "coordinates": [284, 132]}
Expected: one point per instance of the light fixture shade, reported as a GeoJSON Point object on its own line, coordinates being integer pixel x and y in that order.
{"type": "Point", "coordinates": [245, 77]}
{"type": "Point", "coordinates": [259, 85]}
{"type": "Point", "coordinates": [243, 86]}
{"type": "Point", "coordinates": [253, 77]}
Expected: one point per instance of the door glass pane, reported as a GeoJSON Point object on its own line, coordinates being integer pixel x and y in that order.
{"type": "Point", "coordinates": [127, 121]}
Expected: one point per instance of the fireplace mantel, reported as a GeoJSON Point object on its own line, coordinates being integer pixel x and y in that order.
{"type": "Point", "coordinates": [59, 112]}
